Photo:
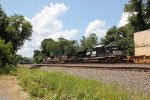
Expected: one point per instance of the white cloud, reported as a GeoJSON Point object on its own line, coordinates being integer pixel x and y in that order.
{"type": "Point", "coordinates": [98, 27]}
{"type": "Point", "coordinates": [124, 19]}
{"type": "Point", "coordinates": [67, 34]}
{"type": "Point", "coordinates": [47, 20]}
{"type": "Point", "coordinates": [46, 24]}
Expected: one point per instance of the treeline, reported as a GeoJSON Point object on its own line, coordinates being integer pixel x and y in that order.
{"type": "Point", "coordinates": [139, 20]}
{"type": "Point", "coordinates": [23, 60]}
{"type": "Point", "coordinates": [14, 30]}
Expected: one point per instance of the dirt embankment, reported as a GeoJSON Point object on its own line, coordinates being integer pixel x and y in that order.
{"type": "Point", "coordinates": [10, 89]}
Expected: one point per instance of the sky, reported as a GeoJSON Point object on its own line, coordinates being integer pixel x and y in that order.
{"type": "Point", "coordinates": [70, 19]}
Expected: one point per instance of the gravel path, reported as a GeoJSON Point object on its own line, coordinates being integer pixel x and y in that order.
{"type": "Point", "coordinates": [128, 79]}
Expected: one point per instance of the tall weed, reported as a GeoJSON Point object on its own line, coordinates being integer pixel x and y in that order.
{"type": "Point", "coordinates": [61, 86]}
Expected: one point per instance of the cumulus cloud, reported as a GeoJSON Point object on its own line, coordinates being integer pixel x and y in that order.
{"type": "Point", "coordinates": [98, 27]}
{"type": "Point", "coordinates": [67, 34]}
{"type": "Point", "coordinates": [47, 20]}
{"type": "Point", "coordinates": [46, 24]}
{"type": "Point", "coordinates": [124, 19]}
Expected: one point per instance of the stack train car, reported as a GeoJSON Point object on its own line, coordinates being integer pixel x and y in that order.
{"type": "Point", "coordinates": [142, 47]}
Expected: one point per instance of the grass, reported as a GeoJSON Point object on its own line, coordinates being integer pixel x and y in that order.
{"type": "Point", "coordinates": [61, 86]}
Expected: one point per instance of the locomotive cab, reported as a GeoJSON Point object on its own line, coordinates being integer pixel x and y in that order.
{"type": "Point", "coordinates": [109, 53]}
{"type": "Point", "coordinates": [117, 55]}
{"type": "Point", "coordinates": [115, 50]}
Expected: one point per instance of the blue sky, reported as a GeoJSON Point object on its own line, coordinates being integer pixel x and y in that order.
{"type": "Point", "coordinates": [70, 19]}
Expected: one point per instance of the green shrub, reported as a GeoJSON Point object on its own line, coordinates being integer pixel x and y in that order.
{"type": "Point", "coordinates": [8, 69]}
{"type": "Point", "coordinates": [61, 86]}
{"type": "Point", "coordinates": [7, 58]}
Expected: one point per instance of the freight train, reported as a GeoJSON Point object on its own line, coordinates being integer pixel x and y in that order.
{"type": "Point", "coordinates": [109, 53]}
{"type": "Point", "coordinates": [101, 54]}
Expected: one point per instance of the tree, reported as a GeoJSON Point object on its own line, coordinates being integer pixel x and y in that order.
{"type": "Point", "coordinates": [14, 30]}
{"type": "Point", "coordinates": [37, 56]}
{"type": "Point", "coordinates": [111, 36]}
{"type": "Point", "coordinates": [147, 13]}
{"type": "Point", "coordinates": [7, 57]}
{"type": "Point", "coordinates": [88, 42]}
{"type": "Point", "coordinates": [139, 20]}
{"type": "Point", "coordinates": [126, 42]}
{"type": "Point", "coordinates": [71, 46]}
{"type": "Point", "coordinates": [66, 46]}
{"type": "Point", "coordinates": [140, 14]}
{"type": "Point", "coordinates": [3, 22]}
{"type": "Point", "coordinates": [63, 46]}
{"type": "Point", "coordinates": [122, 37]}
{"type": "Point", "coordinates": [17, 31]}
{"type": "Point", "coordinates": [48, 47]}
{"type": "Point", "coordinates": [19, 59]}
{"type": "Point", "coordinates": [22, 60]}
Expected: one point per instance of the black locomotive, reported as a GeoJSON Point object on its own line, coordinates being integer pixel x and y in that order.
{"type": "Point", "coordinates": [101, 54]}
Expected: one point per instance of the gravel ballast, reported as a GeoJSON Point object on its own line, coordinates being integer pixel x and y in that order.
{"type": "Point", "coordinates": [139, 81]}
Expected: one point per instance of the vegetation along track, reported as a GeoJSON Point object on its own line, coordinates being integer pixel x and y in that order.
{"type": "Point", "coordinates": [123, 67]}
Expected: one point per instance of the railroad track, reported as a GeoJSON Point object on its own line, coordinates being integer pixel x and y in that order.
{"type": "Point", "coordinates": [122, 67]}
